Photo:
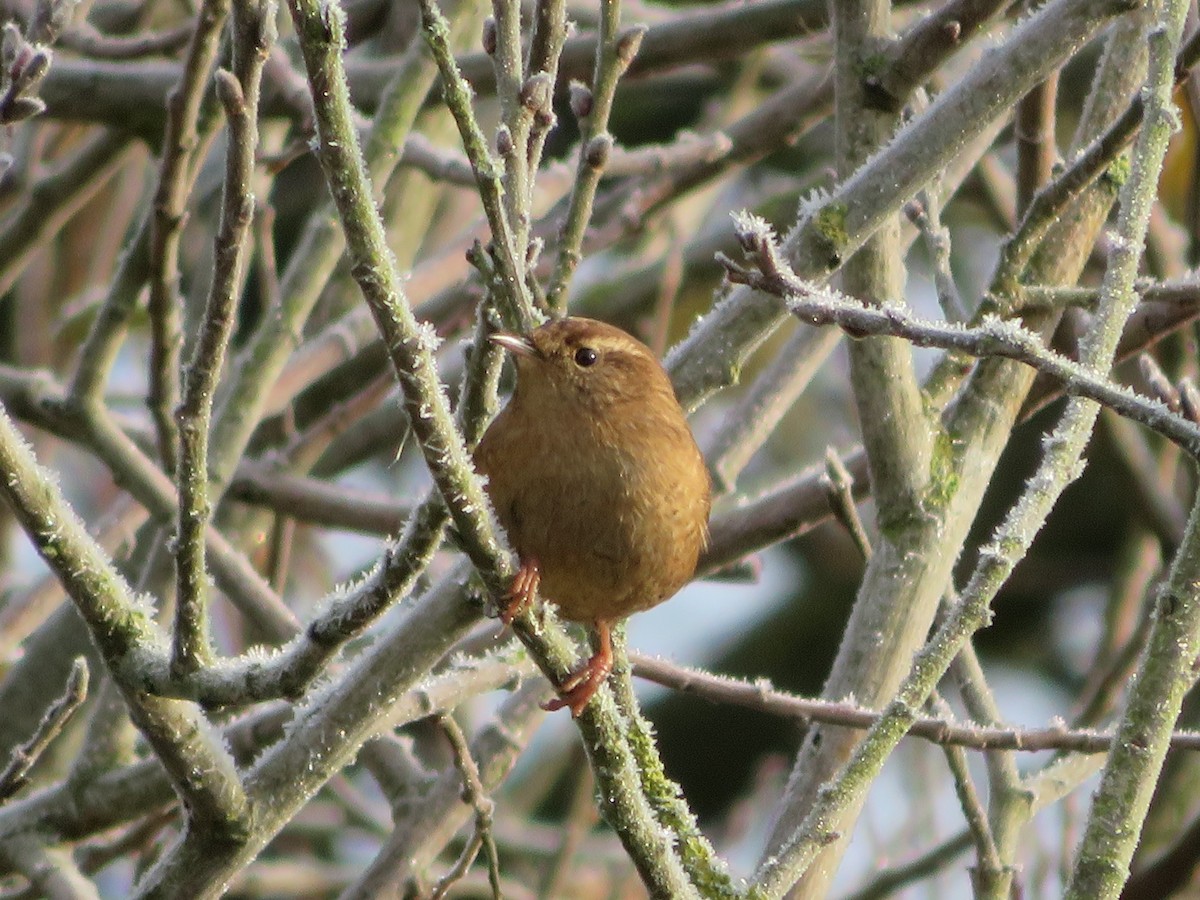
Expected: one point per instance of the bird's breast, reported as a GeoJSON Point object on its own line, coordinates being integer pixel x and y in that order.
{"type": "Point", "coordinates": [615, 517]}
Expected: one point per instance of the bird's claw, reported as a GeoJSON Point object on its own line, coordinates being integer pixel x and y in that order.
{"type": "Point", "coordinates": [577, 690]}
{"type": "Point", "coordinates": [580, 686]}
{"type": "Point", "coordinates": [521, 592]}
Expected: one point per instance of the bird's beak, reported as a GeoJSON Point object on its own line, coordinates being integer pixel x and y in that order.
{"type": "Point", "coordinates": [513, 343]}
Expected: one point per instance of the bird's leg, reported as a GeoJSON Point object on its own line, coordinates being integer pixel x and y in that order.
{"type": "Point", "coordinates": [580, 685]}
{"type": "Point", "coordinates": [521, 592]}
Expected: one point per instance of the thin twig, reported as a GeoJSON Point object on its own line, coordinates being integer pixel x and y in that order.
{"type": "Point", "coordinates": [519, 98]}
{"type": "Point", "coordinates": [475, 794]}
{"type": "Point", "coordinates": [421, 831]}
{"type": "Point", "coordinates": [615, 52]}
{"type": "Point", "coordinates": [123, 631]}
{"type": "Point", "coordinates": [181, 146]}
{"type": "Point", "coordinates": [311, 648]}
{"type": "Point", "coordinates": [1049, 203]}
{"type": "Point", "coordinates": [832, 228]}
{"type": "Point", "coordinates": [109, 738]}
{"type": "Point", "coordinates": [238, 91]}
{"type": "Point", "coordinates": [1165, 672]}
{"type": "Point", "coordinates": [839, 487]}
{"type": "Point", "coordinates": [132, 468]}
{"type": "Point", "coordinates": [514, 301]}
{"type": "Point", "coordinates": [925, 213]}
{"type": "Point", "coordinates": [987, 856]}
{"type": "Point", "coordinates": [87, 40]}
{"type": "Point", "coordinates": [1037, 150]}
{"type": "Point", "coordinates": [541, 70]}
{"type": "Point", "coordinates": [760, 696]}
{"type": "Point", "coordinates": [460, 868]}
{"type": "Point", "coordinates": [54, 198]}
{"type": "Point", "coordinates": [256, 368]}
{"type": "Point", "coordinates": [23, 758]}
{"type": "Point", "coordinates": [1008, 799]}
{"type": "Point", "coordinates": [912, 59]}
{"type": "Point", "coordinates": [316, 501]}
{"type": "Point", "coordinates": [752, 420]}
{"type": "Point", "coordinates": [889, 881]}
{"type": "Point", "coordinates": [126, 794]}
{"type": "Point", "coordinates": [993, 337]}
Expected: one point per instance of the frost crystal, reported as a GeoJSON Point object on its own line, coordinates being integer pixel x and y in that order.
{"type": "Point", "coordinates": [427, 338]}
{"type": "Point", "coordinates": [751, 223]}
{"type": "Point", "coordinates": [812, 203]}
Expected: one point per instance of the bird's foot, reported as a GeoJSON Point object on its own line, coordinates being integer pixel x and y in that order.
{"type": "Point", "coordinates": [579, 687]}
{"type": "Point", "coordinates": [521, 592]}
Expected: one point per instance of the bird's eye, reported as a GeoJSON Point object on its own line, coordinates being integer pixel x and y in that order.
{"type": "Point", "coordinates": [585, 356]}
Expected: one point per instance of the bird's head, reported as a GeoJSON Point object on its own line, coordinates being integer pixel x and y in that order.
{"type": "Point", "coordinates": [585, 362]}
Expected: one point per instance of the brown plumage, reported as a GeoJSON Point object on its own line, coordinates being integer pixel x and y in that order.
{"type": "Point", "coordinates": [596, 479]}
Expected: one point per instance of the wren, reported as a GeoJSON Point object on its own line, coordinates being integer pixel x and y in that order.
{"type": "Point", "coordinates": [597, 480]}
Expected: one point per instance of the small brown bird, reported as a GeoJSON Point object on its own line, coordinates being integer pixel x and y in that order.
{"type": "Point", "coordinates": [597, 480]}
